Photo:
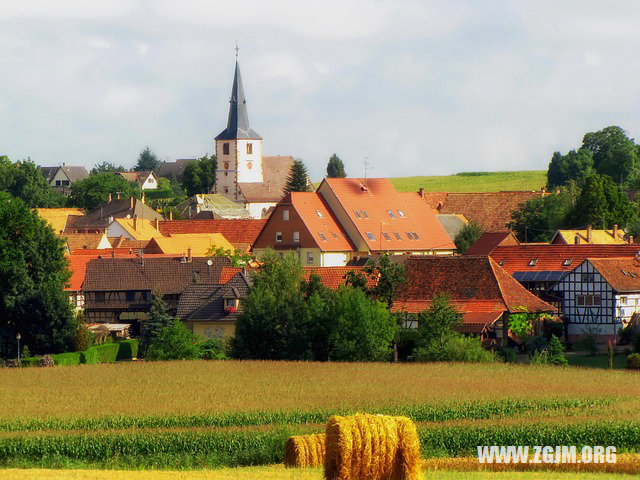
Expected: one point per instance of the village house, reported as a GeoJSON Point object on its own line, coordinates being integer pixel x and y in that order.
{"type": "Point", "coordinates": [211, 206]}
{"type": "Point", "coordinates": [174, 170]}
{"type": "Point", "coordinates": [190, 244]}
{"type": "Point", "coordinates": [133, 228]}
{"type": "Point", "coordinates": [615, 236]}
{"type": "Point", "coordinates": [84, 241]}
{"type": "Point", "coordinates": [241, 233]}
{"type": "Point", "coordinates": [146, 180]}
{"type": "Point", "coordinates": [600, 296]}
{"type": "Point", "coordinates": [57, 217]}
{"type": "Point", "coordinates": [244, 175]}
{"type": "Point", "coordinates": [60, 178]}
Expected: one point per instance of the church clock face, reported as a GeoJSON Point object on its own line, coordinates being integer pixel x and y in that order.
{"type": "Point", "coordinates": [226, 165]}
{"type": "Point", "coordinates": [249, 165]}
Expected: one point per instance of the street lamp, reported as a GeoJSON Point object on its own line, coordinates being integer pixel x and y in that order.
{"type": "Point", "coordinates": [18, 339]}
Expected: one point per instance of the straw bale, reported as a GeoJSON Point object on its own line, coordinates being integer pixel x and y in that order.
{"type": "Point", "coordinates": [372, 447]}
{"type": "Point", "coordinates": [304, 451]}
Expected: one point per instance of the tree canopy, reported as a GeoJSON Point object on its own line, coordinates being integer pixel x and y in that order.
{"type": "Point", "coordinates": [147, 160]}
{"type": "Point", "coordinates": [602, 204]}
{"type": "Point", "coordinates": [107, 167]}
{"type": "Point", "coordinates": [614, 153]}
{"type": "Point", "coordinates": [572, 166]}
{"type": "Point", "coordinates": [93, 191]}
{"type": "Point", "coordinates": [33, 274]}
{"type": "Point", "coordinates": [298, 180]}
{"type": "Point", "coordinates": [335, 167]}
{"type": "Point", "coordinates": [25, 181]}
{"type": "Point", "coordinates": [467, 236]}
{"type": "Point", "coordinates": [159, 319]}
{"type": "Point", "coordinates": [200, 175]}
{"type": "Point", "coordinates": [536, 220]}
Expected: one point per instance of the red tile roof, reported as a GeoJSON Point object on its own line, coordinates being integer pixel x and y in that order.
{"type": "Point", "coordinates": [236, 231]}
{"type": "Point", "coordinates": [553, 257]}
{"type": "Point", "coordinates": [373, 199]}
{"type": "Point", "coordinates": [332, 277]}
{"type": "Point", "coordinates": [468, 280]}
{"type": "Point", "coordinates": [490, 210]}
{"type": "Point", "coordinates": [623, 274]}
{"type": "Point", "coordinates": [227, 274]}
{"type": "Point", "coordinates": [488, 241]}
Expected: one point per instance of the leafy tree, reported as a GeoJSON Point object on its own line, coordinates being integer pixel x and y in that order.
{"type": "Point", "coordinates": [536, 220]}
{"type": "Point", "coordinates": [200, 175]}
{"type": "Point", "coordinates": [602, 204]}
{"type": "Point", "coordinates": [159, 319]}
{"type": "Point", "coordinates": [437, 323]}
{"type": "Point", "coordinates": [174, 342]}
{"type": "Point", "coordinates": [147, 161]}
{"type": "Point", "coordinates": [33, 273]}
{"type": "Point", "coordinates": [298, 180]}
{"type": "Point", "coordinates": [364, 329]}
{"type": "Point", "coordinates": [107, 167]}
{"type": "Point", "coordinates": [335, 167]}
{"type": "Point", "coordinates": [237, 258]}
{"type": "Point", "coordinates": [94, 190]}
{"type": "Point", "coordinates": [25, 181]}
{"type": "Point", "coordinates": [466, 237]}
{"type": "Point", "coordinates": [614, 153]}
{"type": "Point", "coordinates": [572, 166]}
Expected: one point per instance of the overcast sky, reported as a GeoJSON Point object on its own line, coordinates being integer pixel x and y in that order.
{"type": "Point", "coordinates": [421, 88]}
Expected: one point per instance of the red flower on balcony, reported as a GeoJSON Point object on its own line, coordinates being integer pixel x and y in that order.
{"type": "Point", "coordinates": [229, 310]}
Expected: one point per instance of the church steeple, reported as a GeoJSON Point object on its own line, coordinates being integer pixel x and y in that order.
{"type": "Point", "coordinates": [238, 122]}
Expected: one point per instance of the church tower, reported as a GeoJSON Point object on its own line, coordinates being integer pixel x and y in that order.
{"type": "Point", "coordinates": [238, 147]}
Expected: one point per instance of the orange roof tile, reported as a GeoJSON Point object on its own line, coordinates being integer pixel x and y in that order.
{"type": "Point", "coordinates": [623, 274]}
{"type": "Point", "coordinates": [332, 277]}
{"type": "Point", "coordinates": [227, 274]}
{"type": "Point", "coordinates": [488, 241]}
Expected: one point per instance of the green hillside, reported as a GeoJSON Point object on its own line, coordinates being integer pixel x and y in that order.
{"type": "Point", "coordinates": [474, 182]}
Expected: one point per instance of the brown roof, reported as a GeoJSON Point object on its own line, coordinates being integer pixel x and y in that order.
{"type": "Point", "coordinates": [490, 210]}
{"type": "Point", "coordinates": [488, 241]}
{"type": "Point", "coordinates": [101, 217]}
{"type": "Point", "coordinates": [206, 302]}
{"type": "Point", "coordinates": [237, 231]}
{"type": "Point", "coordinates": [473, 283]}
{"type": "Point", "coordinates": [80, 241]}
{"type": "Point", "coordinates": [135, 176]}
{"type": "Point", "coordinates": [166, 275]}
{"type": "Point", "coordinates": [275, 171]}
{"type": "Point", "coordinates": [174, 169]}
{"type": "Point", "coordinates": [121, 242]}
{"type": "Point", "coordinates": [623, 274]}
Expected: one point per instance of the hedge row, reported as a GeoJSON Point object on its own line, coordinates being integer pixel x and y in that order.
{"type": "Point", "coordinates": [419, 413]}
{"type": "Point", "coordinates": [105, 353]}
{"type": "Point", "coordinates": [216, 449]}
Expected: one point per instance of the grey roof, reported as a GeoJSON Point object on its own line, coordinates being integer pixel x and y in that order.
{"type": "Point", "coordinates": [99, 218]}
{"type": "Point", "coordinates": [48, 172]}
{"type": "Point", "coordinates": [238, 122]}
{"type": "Point", "coordinates": [73, 173]}
{"type": "Point", "coordinates": [451, 223]}
{"type": "Point", "coordinates": [173, 169]}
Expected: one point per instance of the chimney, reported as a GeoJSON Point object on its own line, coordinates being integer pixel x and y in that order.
{"type": "Point", "coordinates": [109, 198]}
{"type": "Point", "coordinates": [189, 254]}
{"type": "Point", "coordinates": [576, 240]}
{"type": "Point", "coordinates": [421, 192]}
{"type": "Point", "coordinates": [198, 208]}
{"type": "Point", "coordinates": [615, 231]}
{"type": "Point", "coordinates": [157, 223]}
{"type": "Point", "coordinates": [131, 201]}
{"type": "Point", "coordinates": [142, 197]}
{"type": "Point", "coordinates": [170, 214]}
{"type": "Point", "coordinates": [118, 195]}
{"type": "Point", "coordinates": [589, 234]}
{"type": "Point", "coordinates": [113, 253]}
{"type": "Point", "coordinates": [630, 239]}
{"type": "Point", "coordinates": [135, 222]}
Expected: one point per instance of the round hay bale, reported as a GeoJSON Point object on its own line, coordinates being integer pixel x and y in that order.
{"type": "Point", "coordinates": [304, 451]}
{"type": "Point", "coordinates": [373, 447]}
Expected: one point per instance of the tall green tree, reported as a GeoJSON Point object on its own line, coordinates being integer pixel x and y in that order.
{"type": "Point", "coordinates": [200, 175]}
{"type": "Point", "coordinates": [93, 191]}
{"type": "Point", "coordinates": [107, 167]}
{"type": "Point", "coordinates": [572, 166]}
{"type": "Point", "coordinates": [147, 160]}
{"type": "Point", "coordinates": [25, 181]}
{"type": "Point", "coordinates": [614, 154]}
{"type": "Point", "coordinates": [467, 236]}
{"type": "Point", "coordinates": [33, 274]}
{"type": "Point", "coordinates": [602, 204]}
{"type": "Point", "coordinates": [536, 220]}
{"type": "Point", "coordinates": [437, 323]}
{"type": "Point", "coordinates": [158, 319]}
{"type": "Point", "coordinates": [298, 180]}
{"type": "Point", "coordinates": [335, 167]}
{"type": "Point", "coordinates": [174, 342]}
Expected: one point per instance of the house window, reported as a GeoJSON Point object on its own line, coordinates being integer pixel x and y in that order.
{"type": "Point", "coordinates": [225, 148]}
{"type": "Point", "coordinates": [357, 213]}
{"type": "Point", "coordinates": [278, 237]}
{"type": "Point", "coordinates": [58, 183]}
{"type": "Point", "coordinates": [324, 239]}
{"type": "Point", "coordinates": [249, 148]}
{"type": "Point", "coordinates": [364, 214]}
{"type": "Point", "coordinates": [230, 303]}
{"type": "Point", "coordinates": [335, 235]}
{"type": "Point", "coordinates": [409, 235]}
{"type": "Point", "coordinates": [567, 262]}
{"type": "Point", "coordinates": [586, 277]}
{"type": "Point", "coordinates": [151, 180]}
{"type": "Point", "coordinates": [319, 213]}
{"type": "Point", "coordinates": [623, 299]}
{"type": "Point", "coordinates": [397, 235]}
{"type": "Point", "coordinates": [310, 257]}
{"type": "Point", "coordinates": [296, 237]}
{"type": "Point", "coordinates": [502, 262]}
{"type": "Point", "coordinates": [386, 236]}
{"type": "Point", "coordinates": [533, 262]}
{"type": "Point", "coordinates": [371, 236]}
{"type": "Point", "coordinates": [130, 295]}
{"type": "Point", "coordinates": [99, 296]}
{"type": "Point", "coordinates": [415, 235]}
{"type": "Point", "coordinates": [401, 213]}
{"type": "Point", "coordinates": [391, 214]}
{"type": "Point", "coordinates": [285, 215]}
{"type": "Point", "coordinates": [588, 300]}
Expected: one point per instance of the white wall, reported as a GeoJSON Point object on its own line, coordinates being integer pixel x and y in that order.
{"type": "Point", "coordinates": [335, 259]}
{"type": "Point", "coordinates": [150, 183]}
{"type": "Point", "coordinates": [255, 209]}
{"type": "Point", "coordinates": [115, 230]}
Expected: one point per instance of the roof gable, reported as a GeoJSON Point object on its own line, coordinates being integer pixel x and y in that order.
{"type": "Point", "coordinates": [623, 274]}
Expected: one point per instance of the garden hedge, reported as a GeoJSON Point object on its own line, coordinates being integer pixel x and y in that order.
{"type": "Point", "coordinates": [69, 358]}
{"type": "Point", "coordinates": [107, 352]}
{"type": "Point", "coordinates": [128, 349]}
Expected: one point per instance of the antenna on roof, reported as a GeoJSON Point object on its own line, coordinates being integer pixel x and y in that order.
{"type": "Point", "coordinates": [367, 166]}
{"type": "Point", "coordinates": [141, 252]}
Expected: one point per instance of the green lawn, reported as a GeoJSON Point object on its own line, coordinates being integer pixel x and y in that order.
{"type": "Point", "coordinates": [597, 361]}
{"type": "Point", "coordinates": [474, 182]}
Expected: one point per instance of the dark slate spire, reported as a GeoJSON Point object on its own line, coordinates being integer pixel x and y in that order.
{"type": "Point", "coordinates": [238, 123]}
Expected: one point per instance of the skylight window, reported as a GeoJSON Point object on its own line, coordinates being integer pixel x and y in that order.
{"type": "Point", "coordinates": [386, 236]}
{"type": "Point", "coordinates": [567, 262]}
{"type": "Point", "coordinates": [401, 213]}
{"type": "Point", "coordinates": [391, 214]}
{"type": "Point", "coordinates": [357, 213]}
{"type": "Point", "coordinates": [623, 272]}
{"type": "Point", "coordinates": [364, 214]}
{"type": "Point", "coordinates": [319, 213]}
{"type": "Point", "coordinates": [324, 239]}
{"type": "Point", "coordinates": [335, 235]}
{"type": "Point", "coordinates": [533, 262]}
{"type": "Point", "coordinates": [415, 235]}
{"type": "Point", "coordinates": [409, 236]}
{"type": "Point", "coordinates": [502, 262]}
{"type": "Point", "coordinates": [397, 235]}
{"type": "Point", "coordinates": [371, 236]}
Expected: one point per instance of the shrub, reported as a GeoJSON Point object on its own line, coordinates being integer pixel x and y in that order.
{"type": "Point", "coordinates": [175, 342]}
{"type": "Point", "coordinates": [508, 354]}
{"type": "Point", "coordinates": [82, 339]}
{"type": "Point", "coordinates": [456, 348]}
{"type": "Point", "coordinates": [30, 361]}
{"type": "Point", "coordinates": [107, 352]}
{"type": "Point", "coordinates": [46, 361]}
{"type": "Point", "coordinates": [633, 361]}
{"type": "Point", "coordinates": [89, 356]}
{"type": "Point", "coordinates": [70, 358]}
{"type": "Point", "coordinates": [214, 349]}
{"type": "Point", "coordinates": [25, 352]}
{"type": "Point", "coordinates": [127, 350]}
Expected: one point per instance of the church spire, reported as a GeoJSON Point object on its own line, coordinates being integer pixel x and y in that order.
{"type": "Point", "coordinates": [238, 122]}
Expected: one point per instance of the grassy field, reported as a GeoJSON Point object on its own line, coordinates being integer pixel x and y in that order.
{"type": "Point", "coordinates": [474, 182]}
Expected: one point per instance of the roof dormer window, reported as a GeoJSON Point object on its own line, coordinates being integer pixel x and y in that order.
{"type": "Point", "coordinates": [371, 236]}
{"type": "Point", "coordinates": [386, 236]}
{"type": "Point", "coordinates": [357, 213]}
{"type": "Point", "coordinates": [324, 239]}
{"type": "Point", "coordinates": [319, 213]}
{"type": "Point", "coordinates": [397, 235]}
{"type": "Point", "coordinates": [401, 213]}
{"type": "Point", "coordinates": [533, 262]}
{"type": "Point", "coordinates": [364, 214]}
{"type": "Point", "coordinates": [567, 262]}
{"type": "Point", "coordinates": [391, 214]}
{"type": "Point", "coordinates": [502, 262]}
{"type": "Point", "coordinates": [415, 236]}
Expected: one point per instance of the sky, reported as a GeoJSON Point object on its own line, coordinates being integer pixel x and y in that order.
{"type": "Point", "coordinates": [418, 87]}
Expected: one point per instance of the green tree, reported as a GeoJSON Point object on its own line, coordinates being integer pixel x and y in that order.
{"type": "Point", "coordinates": [572, 166]}
{"type": "Point", "coordinates": [200, 175]}
{"type": "Point", "coordinates": [614, 154]}
{"type": "Point", "coordinates": [364, 329]}
{"type": "Point", "coordinates": [602, 203]}
{"type": "Point", "coordinates": [298, 180]}
{"type": "Point", "coordinates": [236, 257]}
{"type": "Point", "coordinates": [33, 274]}
{"type": "Point", "coordinates": [467, 236]}
{"type": "Point", "coordinates": [147, 161]}
{"type": "Point", "coordinates": [174, 342]}
{"type": "Point", "coordinates": [437, 323]}
{"type": "Point", "coordinates": [386, 275]}
{"type": "Point", "coordinates": [94, 190]}
{"type": "Point", "coordinates": [159, 319]}
{"type": "Point", "coordinates": [107, 167]}
{"type": "Point", "coordinates": [536, 220]}
{"type": "Point", "coordinates": [25, 181]}
{"type": "Point", "coordinates": [335, 167]}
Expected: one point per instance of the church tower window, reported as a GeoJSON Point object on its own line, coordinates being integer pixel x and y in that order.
{"type": "Point", "coordinates": [249, 148]}
{"type": "Point", "coordinates": [225, 148]}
